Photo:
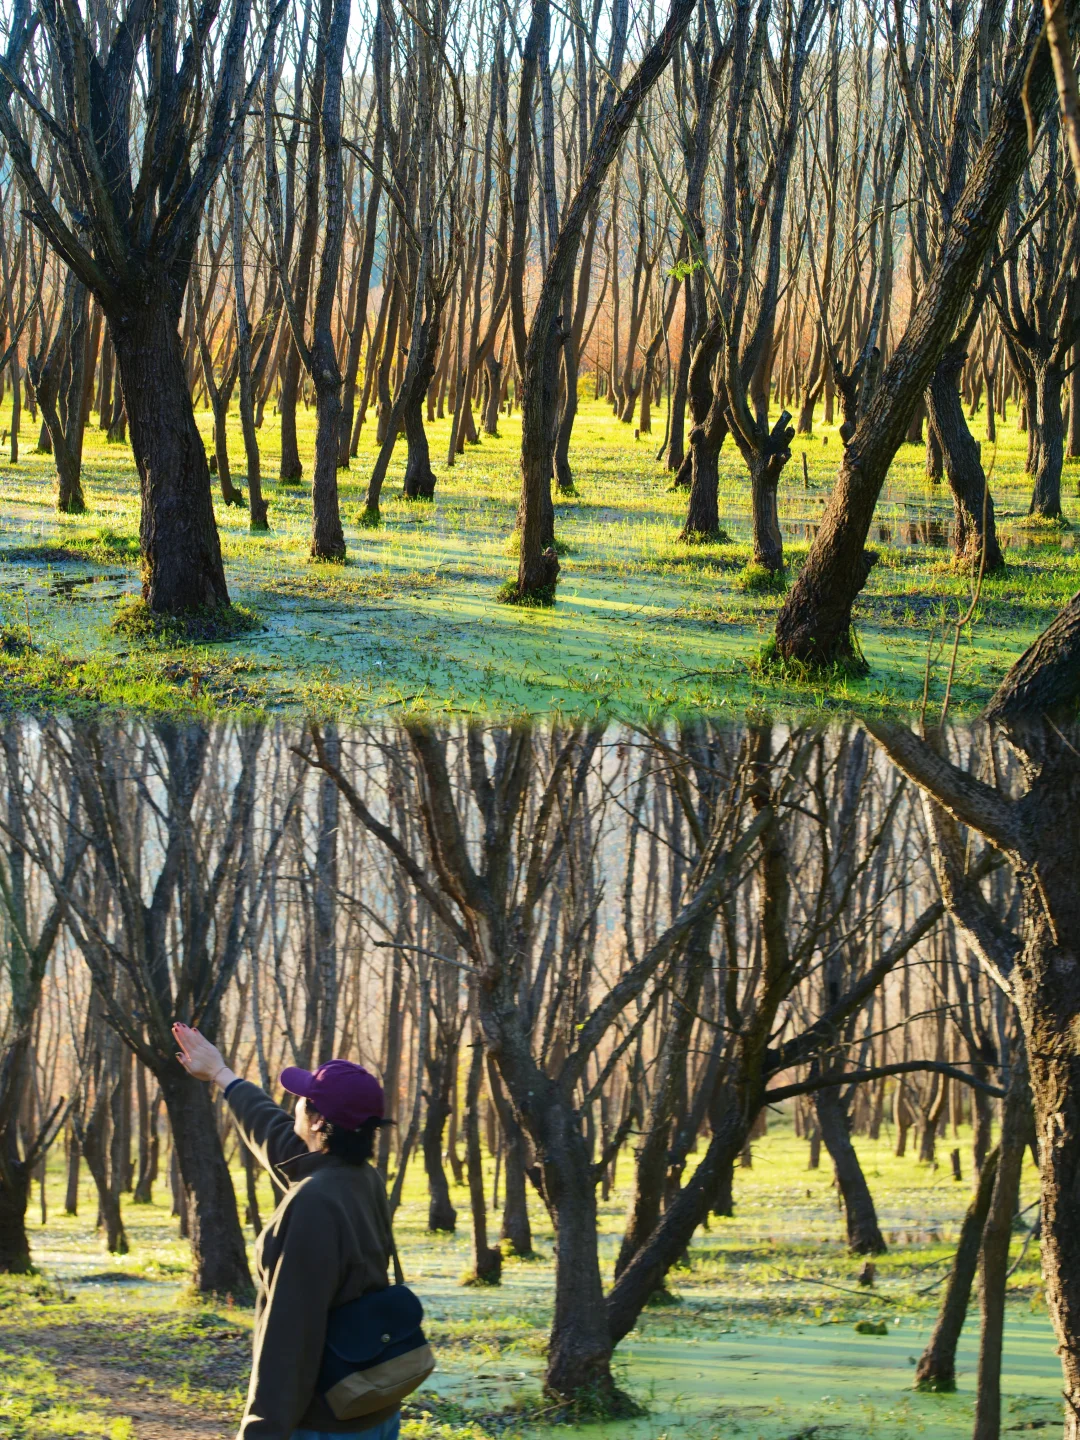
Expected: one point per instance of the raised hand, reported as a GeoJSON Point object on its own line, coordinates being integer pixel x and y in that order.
{"type": "Point", "coordinates": [199, 1056]}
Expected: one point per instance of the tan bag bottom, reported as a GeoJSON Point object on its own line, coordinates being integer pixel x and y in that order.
{"type": "Point", "coordinates": [365, 1391]}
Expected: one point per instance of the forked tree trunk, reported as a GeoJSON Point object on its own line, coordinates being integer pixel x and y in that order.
{"type": "Point", "coordinates": [863, 1232]}
{"type": "Point", "coordinates": [936, 1369]}
{"type": "Point", "coordinates": [218, 1252]}
{"type": "Point", "coordinates": [182, 569]}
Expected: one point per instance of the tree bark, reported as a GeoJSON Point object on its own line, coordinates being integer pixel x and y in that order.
{"type": "Point", "coordinates": [702, 511]}
{"type": "Point", "coordinates": [516, 1229]}
{"type": "Point", "coordinates": [1015, 1130]}
{"type": "Point", "coordinates": [487, 1258]}
{"type": "Point", "coordinates": [182, 569]}
{"type": "Point", "coordinates": [963, 467]}
{"type": "Point", "coordinates": [219, 1255]}
{"type": "Point", "coordinates": [14, 1198]}
{"type": "Point", "coordinates": [863, 1232]}
{"type": "Point", "coordinates": [419, 483]}
{"type": "Point", "coordinates": [441, 1213]}
{"type": "Point", "coordinates": [1048, 429]}
{"type": "Point", "coordinates": [936, 1369]}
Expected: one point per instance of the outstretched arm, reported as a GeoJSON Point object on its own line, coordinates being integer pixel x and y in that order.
{"type": "Point", "coordinates": [266, 1128]}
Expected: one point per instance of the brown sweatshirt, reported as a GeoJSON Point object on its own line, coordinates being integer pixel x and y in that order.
{"type": "Point", "coordinates": [328, 1242]}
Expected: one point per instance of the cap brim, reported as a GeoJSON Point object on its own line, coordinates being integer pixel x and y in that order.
{"type": "Point", "coordinates": [296, 1081]}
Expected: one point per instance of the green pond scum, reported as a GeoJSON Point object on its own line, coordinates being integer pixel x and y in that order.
{"type": "Point", "coordinates": [763, 1341]}
{"type": "Point", "coordinates": [643, 625]}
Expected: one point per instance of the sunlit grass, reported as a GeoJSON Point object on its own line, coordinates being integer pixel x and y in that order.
{"type": "Point", "coordinates": [644, 624]}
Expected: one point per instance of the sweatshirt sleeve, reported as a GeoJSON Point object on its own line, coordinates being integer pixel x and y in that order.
{"type": "Point", "coordinates": [286, 1366]}
{"type": "Point", "coordinates": [266, 1129]}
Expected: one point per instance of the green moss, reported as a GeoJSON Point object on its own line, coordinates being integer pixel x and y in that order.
{"type": "Point", "coordinates": [136, 621]}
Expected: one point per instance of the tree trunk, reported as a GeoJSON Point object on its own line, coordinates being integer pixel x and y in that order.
{"type": "Point", "coordinates": [251, 1179]}
{"type": "Point", "coordinates": [71, 1188]}
{"type": "Point", "coordinates": [1015, 1129]}
{"type": "Point", "coordinates": [677, 424]}
{"type": "Point", "coordinates": [182, 569]}
{"type": "Point", "coordinates": [935, 457]}
{"type": "Point", "coordinates": [580, 1349]}
{"type": "Point", "coordinates": [327, 536]}
{"type": "Point", "coordinates": [768, 550]}
{"type": "Point", "coordinates": [292, 469]}
{"type": "Point", "coordinates": [702, 512]}
{"type": "Point", "coordinates": [493, 398]}
{"type": "Point", "coordinates": [14, 1198]}
{"type": "Point", "coordinates": [94, 1149]}
{"type": "Point", "coordinates": [419, 483]}
{"type": "Point", "coordinates": [814, 624]}
{"type": "Point", "coordinates": [1074, 406]}
{"type": "Point", "coordinates": [538, 563]}
{"type": "Point", "coordinates": [1048, 429]}
{"type": "Point", "coordinates": [963, 467]}
{"type": "Point", "coordinates": [488, 1259]}
{"type": "Point", "coordinates": [441, 1212]}
{"type": "Point", "coordinates": [149, 1140]}
{"type": "Point", "coordinates": [516, 1230]}
{"type": "Point", "coordinates": [863, 1233]}
{"type": "Point", "coordinates": [217, 1241]}
{"type": "Point", "coordinates": [936, 1369]}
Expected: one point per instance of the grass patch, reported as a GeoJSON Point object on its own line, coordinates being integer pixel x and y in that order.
{"type": "Point", "coordinates": [104, 546]}
{"type": "Point", "coordinates": [758, 580]}
{"type": "Point", "coordinates": [541, 598]}
{"type": "Point", "coordinates": [136, 621]}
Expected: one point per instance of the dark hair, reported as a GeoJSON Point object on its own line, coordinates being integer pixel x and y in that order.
{"type": "Point", "coordinates": [354, 1147]}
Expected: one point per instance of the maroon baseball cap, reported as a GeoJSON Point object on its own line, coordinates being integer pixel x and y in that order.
{"type": "Point", "coordinates": [346, 1094]}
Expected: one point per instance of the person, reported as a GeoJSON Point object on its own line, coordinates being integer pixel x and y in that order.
{"type": "Point", "coordinates": [328, 1242]}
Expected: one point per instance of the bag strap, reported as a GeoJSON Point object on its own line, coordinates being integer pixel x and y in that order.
{"type": "Point", "coordinates": [399, 1274]}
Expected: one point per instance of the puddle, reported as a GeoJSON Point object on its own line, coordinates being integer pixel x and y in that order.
{"type": "Point", "coordinates": [66, 588]}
